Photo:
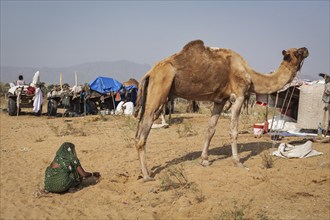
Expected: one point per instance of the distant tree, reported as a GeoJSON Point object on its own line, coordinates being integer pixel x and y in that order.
{"type": "Point", "coordinates": [44, 88]}
{"type": "Point", "coordinates": [4, 87]}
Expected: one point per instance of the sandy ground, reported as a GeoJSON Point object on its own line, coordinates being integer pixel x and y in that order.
{"type": "Point", "coordinates": [183, 189]}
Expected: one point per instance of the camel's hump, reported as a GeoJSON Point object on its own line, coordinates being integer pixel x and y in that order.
{"type": "Point", "coordinates": [198, 44]}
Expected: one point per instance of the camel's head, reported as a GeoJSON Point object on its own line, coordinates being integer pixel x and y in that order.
{"type": "Point", "coordinates": [295, 57]}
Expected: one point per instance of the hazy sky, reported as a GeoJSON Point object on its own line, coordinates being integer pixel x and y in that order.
{"type": "Point", "coordinates": [66, 33]}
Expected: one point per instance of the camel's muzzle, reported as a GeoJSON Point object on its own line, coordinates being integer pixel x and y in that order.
{"type": "Point", "coordinates": [302, 52]}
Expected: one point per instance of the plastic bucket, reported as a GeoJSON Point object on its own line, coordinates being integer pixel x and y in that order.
{"type": "Point", "coordinates": [258, 129]}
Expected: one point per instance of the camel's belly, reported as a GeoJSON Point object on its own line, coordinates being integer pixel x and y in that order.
{"type": "Point", "coordinates": [200, 89]}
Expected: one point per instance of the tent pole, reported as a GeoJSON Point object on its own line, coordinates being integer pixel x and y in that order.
{"type": "Point", "coordinates": [61, 81]}
{"type": "Point", "coordinates": [76, 78]}
{"type": "Point", "coordinates": [113, 102]}
{"type": "Point", "coordinates": [267, 108]}
{"type": "Point", "coordinates": [274, 109]}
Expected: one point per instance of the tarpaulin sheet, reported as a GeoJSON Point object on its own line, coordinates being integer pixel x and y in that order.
{"type": "Point", "coordinates": [299, 151]}
{"type": "Point", "coordinates": [105, 85]}
{"type": "Point", "coordinates": [130, 87]}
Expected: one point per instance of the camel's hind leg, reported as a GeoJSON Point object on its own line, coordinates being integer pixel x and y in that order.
{"type": "Point", "coordinates": [211, 130]}
{"type": "Point", "coordinates": [160, 82]}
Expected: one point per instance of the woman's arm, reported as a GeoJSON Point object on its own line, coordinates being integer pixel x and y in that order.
{"type": "Point", "coordinates": [83, 173]}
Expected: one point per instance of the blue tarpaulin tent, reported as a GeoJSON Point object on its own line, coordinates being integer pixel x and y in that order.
{"type": "Point", "coordinates": [130, 87]}
{"type": "Point", "coordinates": [105, 85]}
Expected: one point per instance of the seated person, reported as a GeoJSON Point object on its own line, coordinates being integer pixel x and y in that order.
{"type": "Point", "coordinates": [125, 107]}
{"type": "Point", "coordinates": [119, 108]}
{"type": "Point", "coordinates": [20, 81]}
{"type": "Point", "coordinates": [66, 173]}
{"type": "Point", "coordinates": [128, 108]}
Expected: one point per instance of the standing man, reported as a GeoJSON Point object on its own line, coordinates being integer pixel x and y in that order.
{"type": "Point", "coordinates": [326, 100]}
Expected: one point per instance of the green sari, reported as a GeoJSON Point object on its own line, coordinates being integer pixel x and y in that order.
{"type": "Point", "coordinates": [60, 179]}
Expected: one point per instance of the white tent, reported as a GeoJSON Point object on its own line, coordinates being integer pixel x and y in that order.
{"type": "Point", "coordinates": [311, 107]}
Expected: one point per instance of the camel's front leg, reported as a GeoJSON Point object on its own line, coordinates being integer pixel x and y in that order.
{"type": "Point", "coordinates": [235, 112]}
{"type": "Point", "coordinates": [210, 131]}
{"type": "Point", "coordinates": [140, 142]}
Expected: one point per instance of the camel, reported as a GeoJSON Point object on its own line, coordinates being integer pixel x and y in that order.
{"type": "Point", "coordinates": [203, 73]}
{"type": "Point", "coordinates": [130, 82]}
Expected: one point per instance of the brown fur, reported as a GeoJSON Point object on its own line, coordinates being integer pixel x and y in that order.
{"type": "Point", "coordinates": [130, 82]}
{"type": "Point", "coordinates": [202, 73]}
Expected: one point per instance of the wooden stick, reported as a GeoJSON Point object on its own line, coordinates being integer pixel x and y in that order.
{"type": "Point", "coordinates": [76, 78]}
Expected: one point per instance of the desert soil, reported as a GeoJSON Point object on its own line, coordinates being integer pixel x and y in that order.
{"type": "Point", "coordinates": [183, 189]}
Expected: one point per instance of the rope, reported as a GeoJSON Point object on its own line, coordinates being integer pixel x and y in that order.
{"type": "Point", "coordinates": [274, 109]}
{"type": "Point", "coordinates": [287, 107]}
{"type": "Point", "coordinates": [286, 95]}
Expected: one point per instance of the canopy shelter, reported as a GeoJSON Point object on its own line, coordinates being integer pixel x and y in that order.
{"type": "Point", "coordinates": [104, 85]}
{"type": "Point", "coordinates": [102, 91]}
{"type": "Point", "coordinates": [130, 87]}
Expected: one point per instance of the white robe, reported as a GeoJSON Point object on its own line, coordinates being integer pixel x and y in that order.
{"type": "Point", "coordinates": [38, 99]}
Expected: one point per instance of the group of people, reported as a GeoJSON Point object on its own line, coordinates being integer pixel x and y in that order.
{"type": "Point", "coordinates": [31, 89]}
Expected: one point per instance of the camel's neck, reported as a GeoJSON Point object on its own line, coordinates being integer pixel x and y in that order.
{"type": "Point", "coordinates": [270, 83]}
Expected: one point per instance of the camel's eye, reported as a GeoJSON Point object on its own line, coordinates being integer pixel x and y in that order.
{"type": "Point", "coordinates": [287, 57]}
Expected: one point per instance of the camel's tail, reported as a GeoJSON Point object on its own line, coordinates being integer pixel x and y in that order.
{"type": "Point", "coordinates": [141, 97]}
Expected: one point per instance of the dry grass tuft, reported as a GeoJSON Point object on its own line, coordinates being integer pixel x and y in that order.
{"type": "Point", "coordinates": [174, 178]}
{"type": "Point", "coordinates": [67, 129]}
{"type": "Point", "coordinates": [40, 139]}
{"type": "Point", "coordinates": [267, 159]}
{"type": "Point", "coordinates": [186, 130]}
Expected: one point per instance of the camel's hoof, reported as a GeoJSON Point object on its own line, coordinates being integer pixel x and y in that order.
{"type": "Point", "coordinates": [148, 179]}
{"type": "Point", "coordinates": [205, 163]}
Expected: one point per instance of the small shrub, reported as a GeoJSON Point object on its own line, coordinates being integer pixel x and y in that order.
{"type": "Point", "coordinates": [101, 118]}
{"type": "Point", "coordinates": [237, 213]}
{"type": "Point", "coordinates": [174, 178]}
{"type": "Point", "coordinates": [199, 197]}
{"type": "Point", "coordinates": [267, 160]}
{"type": "Point", "coordinates": [68, 130]}
{"type": "Point", "coordinates": [186, 130]}
{"type": "Point", "coordinates": [39, 139]}
{"type": "Point", "coordinates": [131, 123]}
{"type": "Point", "coordinates": [128, 140]}
{"type": "Point", "coordinates": [4, 87]}
{"type": "Point", "coordinates": [262, 215]}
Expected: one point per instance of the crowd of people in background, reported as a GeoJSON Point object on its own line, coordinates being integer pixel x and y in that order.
{"type": "Point", "coordinates": [84, 101]}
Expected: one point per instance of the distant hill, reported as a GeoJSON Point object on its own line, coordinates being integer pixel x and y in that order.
{"type": "Point", "coordinates": [86, 72]}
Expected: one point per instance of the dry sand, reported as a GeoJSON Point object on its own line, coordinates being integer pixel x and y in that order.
{"type": "Point", "coordinates": [290, 189]}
